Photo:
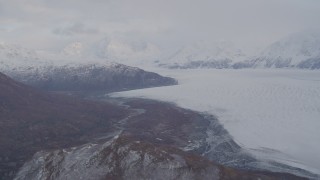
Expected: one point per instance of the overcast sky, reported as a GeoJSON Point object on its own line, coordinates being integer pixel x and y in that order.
{"type": "Point", "coordinates": [51, 24]}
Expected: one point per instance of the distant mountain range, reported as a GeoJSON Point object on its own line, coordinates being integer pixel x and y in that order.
{"type": "Point", "coordinates": [204, 55]}
{"type": "Point", "coordinates": [63, 73]}
{"type": "Point", "coordinates": [300, 50]}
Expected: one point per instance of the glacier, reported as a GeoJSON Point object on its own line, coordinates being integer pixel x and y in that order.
{"type": "Point", "coordinates": [273, 113]}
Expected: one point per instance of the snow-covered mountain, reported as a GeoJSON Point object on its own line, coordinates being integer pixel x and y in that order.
{"type": "Point", "coordinates": [130, 52]}
{"type": "Point", "coordinates": [300, 50]}
{"type": "Point", "coordinates": [205, 55]}
{"type": "Point", "coordinates": [74, 49]}
{"type": "Point", "coordinates": [72, 72]}
{"type": "Point", "coordinates": [14, 55]}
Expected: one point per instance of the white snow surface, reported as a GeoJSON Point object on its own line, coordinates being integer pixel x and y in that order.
{"type": "Point", "coordinates": [274, 113]}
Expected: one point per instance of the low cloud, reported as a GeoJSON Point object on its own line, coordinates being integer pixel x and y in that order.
{"type": "Point", "coordinates": [75, 29]}
{"type": "Point", "coordinates": [167, 23]}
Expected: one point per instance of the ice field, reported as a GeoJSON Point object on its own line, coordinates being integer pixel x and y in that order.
{"type": "Point", "coordinates": [275, 114]}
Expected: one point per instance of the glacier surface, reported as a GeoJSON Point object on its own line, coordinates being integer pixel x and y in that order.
{"type": "Point", "coordinates": [274, 113]}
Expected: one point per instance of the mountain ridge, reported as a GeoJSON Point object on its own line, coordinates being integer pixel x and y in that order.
{"type": "Point", "coordinates": [63, 74]}
{"type": "Point", "coordinates": [300, 50]}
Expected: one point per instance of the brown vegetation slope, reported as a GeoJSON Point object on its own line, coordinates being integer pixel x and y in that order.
{"type": "Point", "coordinates": [31, 121]}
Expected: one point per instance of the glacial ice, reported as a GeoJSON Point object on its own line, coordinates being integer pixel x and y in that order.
{"type": "Point", "coordinates": [273, 113]}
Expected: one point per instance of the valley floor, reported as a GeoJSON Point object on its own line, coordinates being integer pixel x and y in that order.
{"type": "Point", "coordinates": [274, 114]}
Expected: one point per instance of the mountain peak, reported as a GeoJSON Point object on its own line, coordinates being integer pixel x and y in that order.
{"type": "Point", "coordinates": [301, 50]}
{"type": "Point", "coordinates": [74, 49]}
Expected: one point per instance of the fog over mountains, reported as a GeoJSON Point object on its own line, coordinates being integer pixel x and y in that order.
{"type": "Point", "coordinates": [299, 50]}
{"type": "Point", "coordinates": [61, 72]}
{"type": "Point", "coordinates": [246, 71]}
{"type": "Point", "coordinates": [148, 29]}
{"type": "Point", "coordinates": [179, 34]}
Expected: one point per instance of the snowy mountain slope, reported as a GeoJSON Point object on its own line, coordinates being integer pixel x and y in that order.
{"type": "Point", "coordinates": [205, 55]}
{"type": "Point", "coordinates": [74, 49]}
{"type": "Point", "coordinates": [70, 72]}
{"type": "Point", "coordinates": [311, 63]}
{"type": "Point", "coordinates": [300, 50]}
{"type": "Point", "coordinates": [130, 52]}
{"type": "Point", "coordinates": [14, 56]}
